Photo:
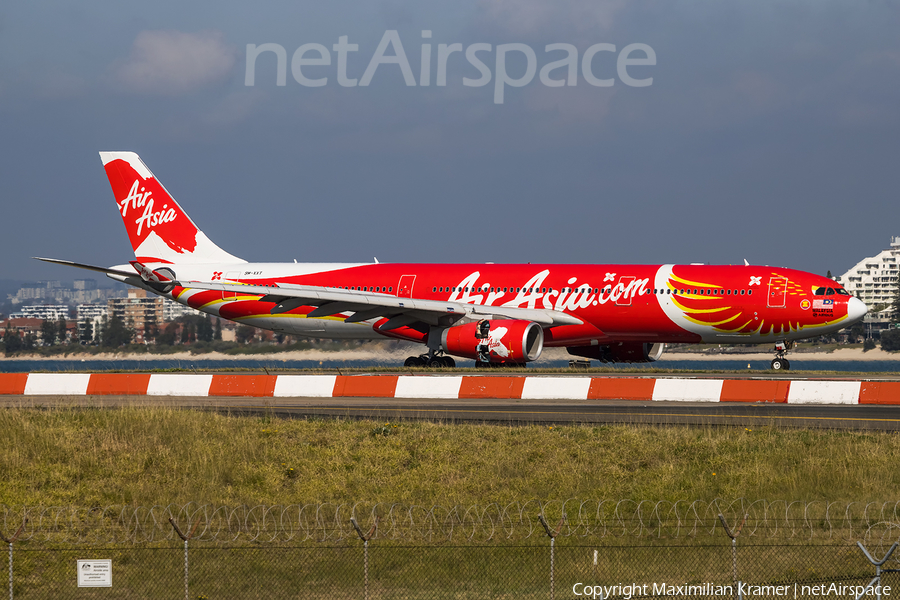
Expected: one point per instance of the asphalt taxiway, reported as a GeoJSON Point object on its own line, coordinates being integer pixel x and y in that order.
{"type": "Point", "coordinates": [508, 411]}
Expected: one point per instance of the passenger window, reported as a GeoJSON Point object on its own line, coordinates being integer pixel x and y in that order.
{"type": "Point", "coordinates": [742, 292]}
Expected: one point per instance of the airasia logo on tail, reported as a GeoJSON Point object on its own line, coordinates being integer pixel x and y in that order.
{"type": "Point", "coordinates": [156, 225]}
{"type": "Point", "coordinates": [138, 198]}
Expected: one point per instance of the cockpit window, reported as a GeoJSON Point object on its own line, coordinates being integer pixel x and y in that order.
{"type": "Point", "coordinates": [830, 292]}
{"type": "Point", "coordinates": [842, 292]}
{"type": "Point", "coordinates": [820, 291]}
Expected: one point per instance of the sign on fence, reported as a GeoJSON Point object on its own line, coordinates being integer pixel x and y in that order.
{"type": "Point", "coordinates": [95, 573]}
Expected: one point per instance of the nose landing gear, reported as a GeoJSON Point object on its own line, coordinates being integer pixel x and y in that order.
{"type": "Point", "coordinates": [780, 363]}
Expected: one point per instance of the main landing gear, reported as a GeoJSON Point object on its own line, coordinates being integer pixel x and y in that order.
{"type": "Point", "coordinates": [780, 363]}
{"type": "Point", "coordinates": [430, 360]}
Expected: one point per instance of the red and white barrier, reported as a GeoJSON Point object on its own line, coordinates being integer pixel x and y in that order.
{"type": "Point", "coordinates": [464, 387]}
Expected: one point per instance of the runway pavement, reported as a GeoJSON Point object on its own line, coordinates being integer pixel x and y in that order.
{"type": "Point", "coordinates": [508, 411]}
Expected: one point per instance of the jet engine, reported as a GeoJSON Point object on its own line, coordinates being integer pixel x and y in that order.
{"type": "Point", "coordinates": [620, 352]}
{"type": "Point", "coordinates": [496, 340]}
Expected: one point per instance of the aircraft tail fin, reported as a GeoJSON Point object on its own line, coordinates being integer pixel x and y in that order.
{"type": "Point", "coordinates": [158, 228]}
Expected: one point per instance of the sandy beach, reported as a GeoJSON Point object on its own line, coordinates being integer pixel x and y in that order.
{"type": "Point", "coordinates": [841, 354]}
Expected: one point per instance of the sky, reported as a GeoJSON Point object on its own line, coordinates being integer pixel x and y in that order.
{"type": "Point", "coordinates": [700, 131]}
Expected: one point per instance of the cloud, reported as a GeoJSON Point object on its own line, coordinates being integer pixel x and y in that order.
{"type": "Point", "coordinates": [170, 63]}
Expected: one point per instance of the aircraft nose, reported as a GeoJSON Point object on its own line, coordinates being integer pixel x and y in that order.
{"type": "Point", "coordinates": [856, 309]}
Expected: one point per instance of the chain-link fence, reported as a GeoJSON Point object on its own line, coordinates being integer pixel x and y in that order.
{"type": "Point", "coordinates": [560, 550]}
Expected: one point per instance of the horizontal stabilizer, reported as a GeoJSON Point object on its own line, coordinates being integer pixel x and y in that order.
{"type": "Point", "coordinates": [69, 263]}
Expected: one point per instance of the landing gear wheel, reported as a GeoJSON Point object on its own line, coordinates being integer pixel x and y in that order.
{"type": "Point", "coordinates": [781, 364]}
{"type": "Point", "coordinates": [436, 362]}
{"type": "Point", "coordinates": [448, 361]}
{"type": "Point", "coordinates": [414, 361]}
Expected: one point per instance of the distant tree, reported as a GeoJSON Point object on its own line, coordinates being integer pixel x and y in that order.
{"type": "Point", "coordinates": [29, 341]}
{"type": "Point", "coordinates": [62, 330]}
{"type": "Point", "coordinates": [48, 332]}
{"type": "Point", "coordinates": [856, 332]}
{"type": "Point", "coordinates": [116, 334]}
{"type": "Point", "coordinates": [167, 337]}
{"type": "Point", "coordinates": [205, 329]}
{"type": "Point", "coordinates": [828, 275]}
{"type": "Point", "coordinates": [86, 332]}
{"type": "Point", "coordinates": [890, 340]}
{"type": "Point", "coordinates": [12, 343]}
{"type": "Point", "coordinates": [218, 334]}
{"type": "Point", "coordinates": [869, 344]}
{"type": "Point", "coordinates": [244, 334]}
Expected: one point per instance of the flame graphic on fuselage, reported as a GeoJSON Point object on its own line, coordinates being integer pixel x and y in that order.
{"type": "Point", "coordinates": [765, 304]}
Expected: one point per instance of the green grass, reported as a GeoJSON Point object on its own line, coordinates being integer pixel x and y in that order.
{"type": "Point", "coordinates": [147, 456]}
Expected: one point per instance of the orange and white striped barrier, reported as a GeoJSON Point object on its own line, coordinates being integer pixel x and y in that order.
{"type": "Point", "coordinates": [462, 387]}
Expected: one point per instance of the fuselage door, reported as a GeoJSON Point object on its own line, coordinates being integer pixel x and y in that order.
{"type": "Point", "coordinates": [777, 287]}
{"type": "Point", "coordinates": [624, 298]}
{"type": "Point", "coordinates": [405, 287]}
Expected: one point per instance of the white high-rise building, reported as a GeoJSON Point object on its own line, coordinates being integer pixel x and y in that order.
{"type": "Point", "coordinates": [172, 310]}
{"type": "Point", "coordinates": [874, 280]}
{"type": "Point", "coordinates": [50, 312]}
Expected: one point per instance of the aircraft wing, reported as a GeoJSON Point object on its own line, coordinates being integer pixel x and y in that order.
{"type": "Point", "coordinates": [401, 312]}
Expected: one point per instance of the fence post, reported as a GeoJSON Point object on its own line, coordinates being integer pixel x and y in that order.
{"type": "Point", "coordinates": [365, 538]}
{"type": "Point", "coordinates": [877, 579]}
{"type": "Point", "coordinates": [552, 533]}
{"type": "Point", "coordinates": [185, 538]}
{"type": "Point", "coordinates": [733, 535]}
{"type": "Point", "coordinates": [10, 542]}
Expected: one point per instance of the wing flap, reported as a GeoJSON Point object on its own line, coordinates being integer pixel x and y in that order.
{"type": "Point", "coordinates": [433, 312]}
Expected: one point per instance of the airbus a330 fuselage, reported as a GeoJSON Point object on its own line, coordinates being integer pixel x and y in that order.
{"type": "Point", "coordinates": [606, 312]}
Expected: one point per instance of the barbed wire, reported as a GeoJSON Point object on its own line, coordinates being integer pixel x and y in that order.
{"type": "Point", "coordinates": [870, 522]}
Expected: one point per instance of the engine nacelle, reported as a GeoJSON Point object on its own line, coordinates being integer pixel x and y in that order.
{"type": "Point", "coordinates": [620, 352]}
{"type": "Point", "coordinates": [507, 340]}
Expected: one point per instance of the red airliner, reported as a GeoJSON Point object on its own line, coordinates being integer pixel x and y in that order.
{"type": "Point", "coordinates": [500, 314]}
